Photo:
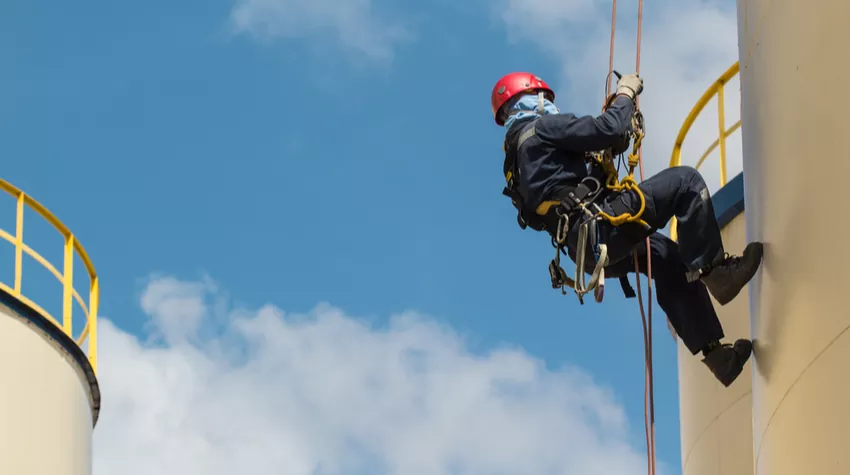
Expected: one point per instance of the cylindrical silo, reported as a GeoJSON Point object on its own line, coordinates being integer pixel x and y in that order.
{"type": "Point", "coordinates": [50, 398]}
{"type": "Point", "coordinates": [794, 70]}
{"type": "Point", "coordinates": [715, 421]}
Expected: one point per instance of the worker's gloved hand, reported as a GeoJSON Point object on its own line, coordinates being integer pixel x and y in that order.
{"type": "Point", "coordinates": [630, 85]}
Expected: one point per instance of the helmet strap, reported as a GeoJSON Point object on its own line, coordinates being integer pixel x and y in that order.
{"type": "Point", "coordinates": [540, 108]}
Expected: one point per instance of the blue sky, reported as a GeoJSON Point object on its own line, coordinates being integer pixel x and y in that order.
{"type": "Point", "coordinates": [340, 151]}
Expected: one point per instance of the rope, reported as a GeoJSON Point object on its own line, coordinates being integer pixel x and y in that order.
{"type": "Point", "coordinates": [646, 317]}
{"type": "Point", "coordinates": [650, 392]}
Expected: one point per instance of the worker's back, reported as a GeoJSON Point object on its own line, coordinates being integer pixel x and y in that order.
{"type": "Point", "coordinates": [544, 168]}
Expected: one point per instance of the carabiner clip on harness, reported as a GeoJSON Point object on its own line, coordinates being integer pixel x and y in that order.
{"type": "Point", "coordinates": [582, 198]}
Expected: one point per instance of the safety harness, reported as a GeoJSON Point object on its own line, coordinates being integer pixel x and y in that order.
{"type": "Point", "coordinates": [578, 203]}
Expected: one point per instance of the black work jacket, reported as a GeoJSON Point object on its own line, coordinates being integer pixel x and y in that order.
{"type": "Point", "coordinates": [554, 157]}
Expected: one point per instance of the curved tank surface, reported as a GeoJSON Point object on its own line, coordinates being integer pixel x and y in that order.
{"type": "Point", "coordinates": [51, 399]}
{"type": "Point", "coordinates": [716, 422]}
{"type": "Point", "coordinates": [48, 405]}
{"type": "Point", "coordinates": [793, 62]}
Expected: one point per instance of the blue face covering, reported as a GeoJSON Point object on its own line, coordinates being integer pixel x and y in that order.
{"type": "Point", "coordinates": [527, 105]}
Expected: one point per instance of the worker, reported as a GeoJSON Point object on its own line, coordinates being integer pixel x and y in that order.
{"type": "Point", "coordinates": [546, 158]}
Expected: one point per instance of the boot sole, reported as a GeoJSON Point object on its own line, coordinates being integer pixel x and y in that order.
{"type": "Point", "coordinates": [726, 382]}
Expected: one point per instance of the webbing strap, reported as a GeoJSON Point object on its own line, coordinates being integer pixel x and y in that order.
{"type": "Point", "coordinates": [525, 217]}
{"type": "Point", "coordinates": [618, 207]}
{"type": "Point", "coordinates": [628, 290]}
{"type": "Point", "coordinates": [525, 135]}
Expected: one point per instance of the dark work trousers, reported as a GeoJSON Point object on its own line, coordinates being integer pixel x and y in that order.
{"type": "Point", "coordinates": [679, 192]}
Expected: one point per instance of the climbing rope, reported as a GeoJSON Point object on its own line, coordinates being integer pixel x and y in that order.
{"type": "Point", "coordinates": [605, 160]}
{"type": "Point", "coordinates": [629, 183]}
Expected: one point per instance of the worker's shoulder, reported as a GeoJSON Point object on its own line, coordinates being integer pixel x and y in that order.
{"type": "Point", "coordinates": [553, 125]}
{"type": "Point", "coordinates": [550, 120]}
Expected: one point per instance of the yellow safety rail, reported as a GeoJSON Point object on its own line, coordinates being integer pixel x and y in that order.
{"type": "Point", "coordinates": [66, 277]}
{"type": "Point", "coordinates": [716, 89]}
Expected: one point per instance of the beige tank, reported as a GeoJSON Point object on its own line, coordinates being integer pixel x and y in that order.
{"type": "Point", "coordinates": [46, 406]}
{"type": "Point", "coordinates": [794, 69]}
{"type": "Point", "coordinates": [50, 399]}
{"type": "Point", "coordinates": [716, 422]}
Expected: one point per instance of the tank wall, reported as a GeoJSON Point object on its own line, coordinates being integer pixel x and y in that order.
{"type": "Point", "coordinates": [716, 422]}
{"type": "Point", "coordinates": [45, 411]}
{"type": "Point", "coordinates": [793, 64]}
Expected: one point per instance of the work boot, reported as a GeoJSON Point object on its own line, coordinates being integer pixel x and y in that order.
{"type": "Point", "coordinates": [726, 277]}
{"type": "Point", "coordinates": [726, 361]}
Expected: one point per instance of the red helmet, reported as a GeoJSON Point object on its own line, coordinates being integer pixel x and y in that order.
{"type": "Point", "coordinates": [516, 83]}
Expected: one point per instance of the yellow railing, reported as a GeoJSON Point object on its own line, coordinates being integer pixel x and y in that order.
{"type": "Point", "coordinates": [716, 89]}
{"type": "Point", "coordinates": [66, 277]}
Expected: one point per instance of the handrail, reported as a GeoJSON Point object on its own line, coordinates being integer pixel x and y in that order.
{"type": "Point", "coordinates": [66, 277]}
{"type": "Point", "coordinates": [715, 89]}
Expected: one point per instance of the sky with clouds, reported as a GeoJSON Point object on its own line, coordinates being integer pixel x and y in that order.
{"type": "Point", "coordinates": [295, 211]}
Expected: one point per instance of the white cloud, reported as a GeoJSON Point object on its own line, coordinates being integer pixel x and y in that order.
{"type": "Point", "coordinates": [175, 308]}
{"type": "Point", "coordinates": [686, 45]}
{"type": "Point", "coordinates": [352, 24]}
{"type": "Point", "coordinates": [328, 394]}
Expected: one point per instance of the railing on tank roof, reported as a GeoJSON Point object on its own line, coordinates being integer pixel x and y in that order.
{"type": "Point", "coordinates": [717, 89]}
{"type": "Point", "coordinates": [72, 246]}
